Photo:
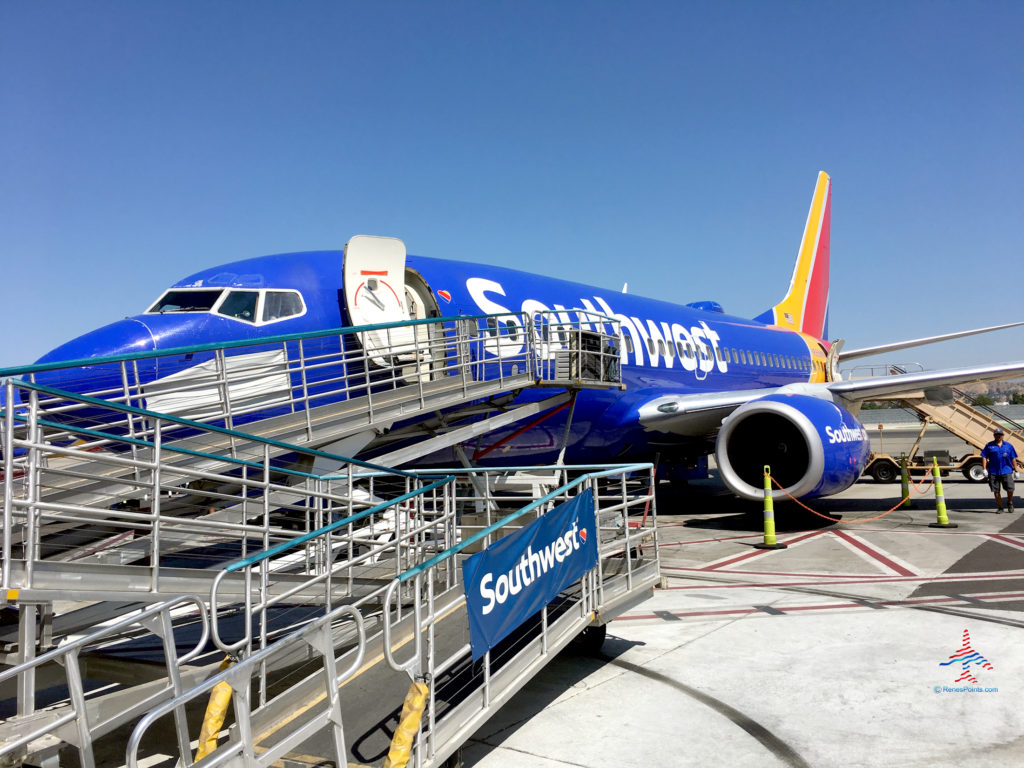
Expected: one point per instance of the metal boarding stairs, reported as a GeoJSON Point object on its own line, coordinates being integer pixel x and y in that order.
{"type": "Point", "coordinates": [115, 506]}
{"type": "Point", "coordinates": [958, 414]}
{"type": "Point", "coordinates": [105, 448]}
{"type": "Point", "coordinates": [971, 423]}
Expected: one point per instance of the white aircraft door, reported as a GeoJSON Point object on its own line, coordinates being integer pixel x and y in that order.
{"type": "Point", "coordinates": [374, 278]}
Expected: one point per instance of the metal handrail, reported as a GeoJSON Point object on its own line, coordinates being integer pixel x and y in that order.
{"type": "Point", "coordinates": [65, 395]}
{"type": "Point", "coordinates": [240, 674]}
{"type": "Point", "coordinates": [67, 656]}
{"type": "Point", "coordinates": [249, 562]}
{"type": "Point", "coordinates": [417, 571]}
{"type": "Point", "coordinates": [21, 370]}
{"type": "Point", "coordinates": [999, 415]}
{"type": "Point", "coordinates": [452, 551]}
{"type": "Point", "coordinates": [556, 628]}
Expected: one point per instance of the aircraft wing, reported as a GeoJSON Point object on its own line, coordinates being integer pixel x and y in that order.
{"type": "Point", "coordinates": [694, 415]}
{"type": "Point", "coordinates": [859, 390]}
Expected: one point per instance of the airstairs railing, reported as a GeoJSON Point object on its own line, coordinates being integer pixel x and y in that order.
{"type": "Point", "coordinates": [996, 416]}
{"type": "Point", "coordinates": [964, 417]}
{"type": "Point", "coordinates": [880, 369]}
{"type": "Point", "coordinates": [79, 725]}
{"type": "Point", "coordinates": [319, 713]}
{"type": "Point", "coordinates": [431, 591]}
{"type": "Point", "coordinates": [183, 499]}
{"type": "Point", "coordinates": [233, 383]}
{"type": "Point", "coordinates": [400, 532]}
{"type": "Point", "coordinates": [414, 602]}
{"type": "Point", "coordinates": [172, 493]}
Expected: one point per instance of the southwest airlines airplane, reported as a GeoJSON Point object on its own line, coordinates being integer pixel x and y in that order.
{"type": "Point", "coordinates": [698, 381]}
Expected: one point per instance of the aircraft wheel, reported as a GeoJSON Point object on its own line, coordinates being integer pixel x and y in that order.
{"type": "Point", "coordinates": [884, 472]}
{"type": "Point", "coordinates": [974, 472]}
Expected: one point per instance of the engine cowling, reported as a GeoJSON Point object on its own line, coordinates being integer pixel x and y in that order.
{"type": "Point", "coordinates": [813, 446]}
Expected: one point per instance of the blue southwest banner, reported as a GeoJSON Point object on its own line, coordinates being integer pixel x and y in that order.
{"type": "Point", "coordinates": [521, 573]}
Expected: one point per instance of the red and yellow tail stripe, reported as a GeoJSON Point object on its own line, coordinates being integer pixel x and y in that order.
{"type": "Point", "coordinates": [805, 307]}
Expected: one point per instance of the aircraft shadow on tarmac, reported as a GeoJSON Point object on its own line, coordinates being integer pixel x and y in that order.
{"type": "Point", "coordinates": [566, 670]}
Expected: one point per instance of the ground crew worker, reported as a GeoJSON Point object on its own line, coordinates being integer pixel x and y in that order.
{"type": "Point", "coordinates": [999, 460]}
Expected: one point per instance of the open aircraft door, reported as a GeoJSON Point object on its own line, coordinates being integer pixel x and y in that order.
{"type": "Point", "coordinates": [374, 279]}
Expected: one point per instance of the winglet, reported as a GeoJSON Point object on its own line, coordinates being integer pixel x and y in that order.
{"type": "Point", "coordinates": [805, 307]}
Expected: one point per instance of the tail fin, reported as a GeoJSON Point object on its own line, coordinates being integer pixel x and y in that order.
{"type": "Point", "coordinates": [805, 307]}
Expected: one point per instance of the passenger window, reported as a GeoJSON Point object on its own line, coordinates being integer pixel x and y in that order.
{"type": "Point", "coordinates": [650, 346]}
{"type": "Point", "coordinates": [629, 344]}
{"type": "Point", "coordinates": [240, 305]}
{"type": "Point", "coordinates": [278, 305]}
{"type": "Point", "coordinates": [661, 348]}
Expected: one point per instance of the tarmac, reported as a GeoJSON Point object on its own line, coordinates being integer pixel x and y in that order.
{"type": "Point", "coordinates": [884, 642]}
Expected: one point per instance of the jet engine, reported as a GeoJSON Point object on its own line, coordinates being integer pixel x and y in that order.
{"type": "Point", "coordinates": [813, 446]}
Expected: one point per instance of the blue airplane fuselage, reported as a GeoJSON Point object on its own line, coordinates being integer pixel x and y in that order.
{"type": "Point", "coordinates": [666, 347]}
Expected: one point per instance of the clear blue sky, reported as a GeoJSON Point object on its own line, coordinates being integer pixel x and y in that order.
{"type": "Point", "coordinates": [670, 144]}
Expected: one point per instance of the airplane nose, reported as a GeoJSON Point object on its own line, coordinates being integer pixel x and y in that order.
{"type": "Point", "coordinates": [119, 338]}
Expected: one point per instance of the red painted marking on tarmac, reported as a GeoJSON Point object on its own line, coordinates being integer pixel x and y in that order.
{"type": "Point", "coordinates": [923, 533]}
{"type": "Point", "coordinates": [807, 574]}
{"type": "Point", "coordinates": [1007, 540]}
{"type": "Point", "coordinates": [875, 554]}
{"type": "Point", "coordinates": [727, 612]}
{"type": "Point", "coordinates": [708, 541]}
{"type": "Point", "coordinates": [1002, 576]}
{"type": "Point", "coordinates": [993, 597]}
{"type": "Point", "coordinates": [756, 552]}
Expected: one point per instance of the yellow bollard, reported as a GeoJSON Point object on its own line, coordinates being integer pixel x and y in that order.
{"type": "Point", "coordinates": [408, 726]}
{"type": "Point", "coordinates": [216, 710]}
{"type": "Point", "coordinates": [769, 515]}
{"type": "Point", "coordinates": [940, 500]}
{"type": "Point", "coordinates": [905, 482]}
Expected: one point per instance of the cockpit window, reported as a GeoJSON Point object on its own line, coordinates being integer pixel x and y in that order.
{"type": "Point", "coordinates": [258, 307]}
{"type": "Point", "coordinates": [278, 305]}
{"type": "Point", "coordinates": [240, 305]}
{"type": "Point", "coordinates": [186, 301]}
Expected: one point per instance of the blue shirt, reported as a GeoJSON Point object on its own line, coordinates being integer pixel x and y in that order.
{"type": "Point", "coordinates": [999, 457]}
